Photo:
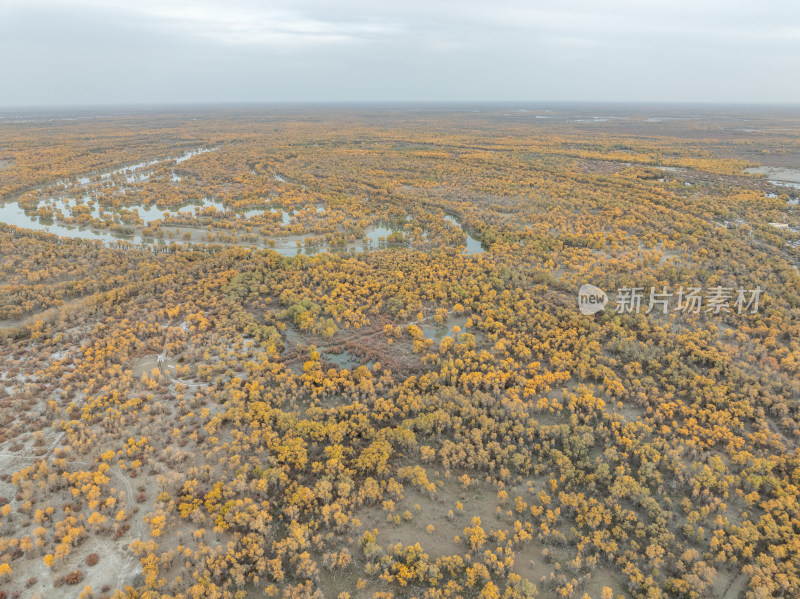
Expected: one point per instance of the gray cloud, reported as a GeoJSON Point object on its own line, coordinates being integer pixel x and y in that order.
{"type": "Point", "coordinates": [106, 52]}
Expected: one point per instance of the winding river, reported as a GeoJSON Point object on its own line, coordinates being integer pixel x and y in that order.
{"type": "Point", "coordinates": [61, 215]}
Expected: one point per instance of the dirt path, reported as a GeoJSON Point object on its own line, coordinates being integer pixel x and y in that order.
{"type": "Point", "coordinates": [736, 587]}
{"type": "Point", "coordinates": [28, 454]}
{"type": "Point", "coordinates": [130, 559]}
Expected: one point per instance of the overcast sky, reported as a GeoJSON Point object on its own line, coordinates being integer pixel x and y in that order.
{"type": "Point", "coordinates": [79, 52]}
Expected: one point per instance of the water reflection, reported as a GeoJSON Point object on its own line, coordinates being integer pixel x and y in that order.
{"type": "Point", "coordinates": [474, 246]}
{"type": "Point", "coordinates": [75, 218]}
{"type": "Point", "coordinates": [79, 218]}
{"type": "Point", "coordinates": [436, 332]}
{"type": "Point", "coordinates": [131, 170]}
{"type": "Point", "coordinates": [84, 217]}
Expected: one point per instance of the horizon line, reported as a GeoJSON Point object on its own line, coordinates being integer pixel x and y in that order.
{"type": "Point", "coordinates": [393, 103]}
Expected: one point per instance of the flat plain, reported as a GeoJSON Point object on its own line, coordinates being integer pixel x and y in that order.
{"type": "Point", "coordinates": [337, 353]}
